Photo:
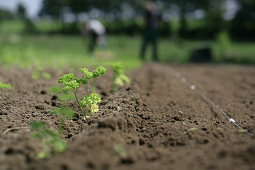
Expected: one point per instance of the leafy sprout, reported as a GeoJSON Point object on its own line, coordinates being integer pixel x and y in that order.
{"type": "Point", "coordinates": [243, 130]}
{"type": "Point", "coordinates": [50, 141]}
{"type": "Point", "coordinates": [5, 86]}
{"type": "Point", "coordinates": [65, 78]}
{"type": "Point", "coordinates": [55, 89]}
{"type": "Point", "coordinates": [119, 150]}
{"type": "Point", "coordinates": [119, 78]}
{"type": "Point", "coordinates": [189, 130]}
{"type": "Point", "coordinates": [87, 75]}
{"type": "Point", "coordinates": [63, 97]}
{"type": "Point", "coordinates": [89, 103]}
{"type": "Point", "coordinates": [38, 72]}
{"type": "Point", "coordinates": [99, 72]}
{"type": "Point", "coordinates": [63, 114]}
{"type": "Point", "coordinates": [46, 75]}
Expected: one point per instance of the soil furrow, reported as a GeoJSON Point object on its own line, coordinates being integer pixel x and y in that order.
{"type": "Point", "coordinates": [157, 121]}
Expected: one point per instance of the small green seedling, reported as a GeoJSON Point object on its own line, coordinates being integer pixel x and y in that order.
{"type": "Point", "coordinates": [63, 114]}
{"type": "Point", "coordinates": [189, 130]}
{"type": "Point", "coordinates": [136, 103]}
{"type": "Point", "coordinates": [51, 142]}
{"type": "Point", "coordinates": [119, 78]}
{"type": "Point", "coordinates": [5, 86]}
{"type": "Point", "coordinates": [57, 90]}
{"type": "Point", "coordinates": [119, 150]}
{"type": "Point", "coordinates": [243, 130]}
{"type": "Point", "coordinates": [88, 104]}
{"type": "Point", "coordinates": [38, 72]}
{"type": "Point", "coordinates": [46, 75]}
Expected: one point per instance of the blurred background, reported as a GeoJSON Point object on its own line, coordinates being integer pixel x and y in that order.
{"type": "Point", "coordinates": [49, 32]}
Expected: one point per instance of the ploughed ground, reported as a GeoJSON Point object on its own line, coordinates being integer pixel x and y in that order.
{"type": "Point", "coordinates": [147, 118]}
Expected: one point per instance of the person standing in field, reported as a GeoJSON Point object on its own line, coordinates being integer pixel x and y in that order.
{"type": "Point", "coordinates": [150, 36]}
{"type": "Point", "coordinates": [96, 31]}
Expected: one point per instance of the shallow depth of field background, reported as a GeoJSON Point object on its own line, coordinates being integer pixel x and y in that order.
{"type": "Point", "coordinates": [51, 36]}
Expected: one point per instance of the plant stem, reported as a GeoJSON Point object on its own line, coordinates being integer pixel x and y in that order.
{"type": "Point", "coordinates": [74, 91]}
{"type": "Point", "coordinates": [87, 108]}
{"type": "Point", "coordinates": [87, 89]}
{"type": "Point", "coordinates": [93, 84]}
{"type": "Point", "coordinates": [61, 125]}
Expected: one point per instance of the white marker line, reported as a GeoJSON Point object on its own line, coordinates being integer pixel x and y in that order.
{"type": "Point", "coordinates": [210, 102]}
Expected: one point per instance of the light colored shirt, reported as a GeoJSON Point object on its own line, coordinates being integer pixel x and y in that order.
{"type": "Point", "coordinates": [96, 26]}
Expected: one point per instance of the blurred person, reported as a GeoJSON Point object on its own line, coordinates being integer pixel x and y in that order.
{"type": "Point", "coordinates": [150, 36]}
{"type": "Point", "coordinates": [96, 32]}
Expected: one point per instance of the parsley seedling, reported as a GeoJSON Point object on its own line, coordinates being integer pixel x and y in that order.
{"type": "Point", "coordinates": [89, 103]}
{"type": "Point", "coordinates": [63, 97]}
{"type": "Point", "coordinates": [5, 86]}
{"type": "Point", "coordinates": [38, 72]}
{"type": "Point", "coordinates": [51, 142]}
{"type": "Point", "coordinates": [119, 78]}
{"type": "Point", "coordinates": [63, 114]}
{"type": "Point", "coordinates": [136, 103]}
{"type": "Point", "coordinates": [119, 150]}
{"type": "Point", "coordinates": [189, 130]}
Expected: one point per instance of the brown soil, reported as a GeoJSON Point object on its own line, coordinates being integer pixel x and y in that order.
{"type": "Point", "coordinates": [148, 119]}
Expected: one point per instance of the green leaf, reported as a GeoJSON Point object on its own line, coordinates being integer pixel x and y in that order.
{"type": "Point", "coordinates": [59, 146]}
{"type": "Point", "coordinates": [243, 130]}
{"type": "Point", "coordinates": [65, 97]}
{"type": "Point", "coordinates": [50, 132]}
{"type": "Point", "coordinates": [42, 155]}
{"type": "Point", "coordinates": [90, 99]}
{"type": "Point", "coordinates": [64, 111]}
{"type": "Point", "coordinates": [55, 89]}
{"type": "Point", "coordinates": [37, 125]}
{"type": "Point", "coordinates": [119, 78]}
{"type": "Point", "coordinates": [35, 75]}
{"type": "Point", "coordinates": [65, 78]}
{"type": "Point", "coordinates": [99, 71]}
{"type": "Point", "coordinates": [117, 68]}
{"type": "Point", "coordinates": [118, 149]}
{"type": "Point", "coordinates": [70, 85]}
{"type": "Point", "coordinates": [37, 135]}
{"type": "Point", "coordinates": [189, 130]}
{"type": "Point", "coordinates": [50, 141]}
{"type": "Point", "coordinates": [81, 81]}
{"type": "Point", "coordinates": [87, 75]}
{"type": "Point", "coordinates": [46, 75]}
{"type": "Point", "coordinates": [124, 78]}
{"type": "Point", "coordinates": [118, 82]}
{"type": "Point", "coordinates": [38, 68]}
{"type": "Point", "coordinates": [5, 86]}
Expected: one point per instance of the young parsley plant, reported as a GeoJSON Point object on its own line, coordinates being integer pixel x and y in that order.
{"type": "Point", "coordinates": [63, 114]}
{"type": "Point", "coordinates": [89, 103]}
{"type": "Point", "coordinates": [51, 142]}
{"type": "Point", "coordinates": [5, 86]}
{"type": "Point", "coordinates": [119, 78]}
{"type": "Point", "coordinates": [63, 97]}
{"type": "Point", "coordinates": [38, 72]}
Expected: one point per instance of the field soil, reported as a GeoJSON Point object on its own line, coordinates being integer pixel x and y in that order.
{"type": "Point", "coordinates": [154, 123]}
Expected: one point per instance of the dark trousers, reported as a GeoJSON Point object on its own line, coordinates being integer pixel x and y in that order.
{"type": "Point", "coordinates": [92, 41]}
{"type": "Point", "coordinates": [150, 38]}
